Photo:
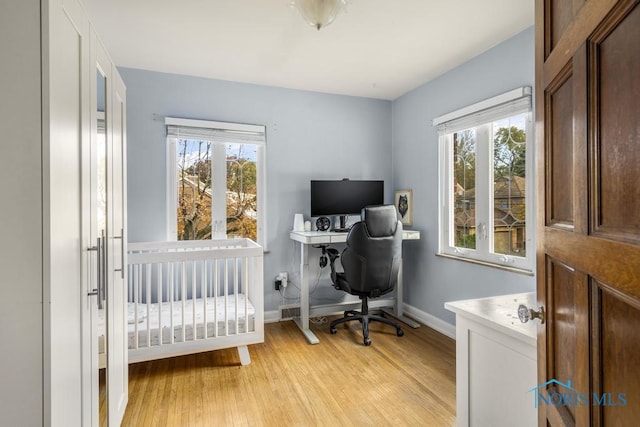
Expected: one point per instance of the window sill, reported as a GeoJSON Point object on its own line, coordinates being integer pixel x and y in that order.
{"type": "Point", "coordinates": [488, 264]}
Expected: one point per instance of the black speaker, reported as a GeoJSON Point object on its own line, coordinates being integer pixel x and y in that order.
{"type": "Point", "coordinates": [323, 223]}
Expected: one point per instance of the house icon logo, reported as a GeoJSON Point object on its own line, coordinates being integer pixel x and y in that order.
{"type": "Point", "coordinates": [539, 389]}
{"type": "Point", "coordinates": [546, 395]}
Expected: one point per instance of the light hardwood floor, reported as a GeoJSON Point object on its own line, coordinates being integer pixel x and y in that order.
{"type": "Point", "coordinates": [397, 381]}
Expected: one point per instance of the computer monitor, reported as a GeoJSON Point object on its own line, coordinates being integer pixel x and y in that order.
{"type": "Point", "coordinates": [344, 197]}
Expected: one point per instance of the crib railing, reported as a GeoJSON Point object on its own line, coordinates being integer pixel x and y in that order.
{"type": "Point", "coordinates": [190, 296]}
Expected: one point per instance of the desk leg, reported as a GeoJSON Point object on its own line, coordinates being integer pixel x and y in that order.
{"type": "Point", "coordinates": [303, 320]}
{"type": "Point", "coordinates": [397, 307]}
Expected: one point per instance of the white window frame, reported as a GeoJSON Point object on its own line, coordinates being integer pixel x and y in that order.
{"type": "Point", "coordinates": [218, 192]}
{"type": "Point", "coordinates": [480, 116]}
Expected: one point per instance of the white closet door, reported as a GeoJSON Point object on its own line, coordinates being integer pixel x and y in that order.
{"type": "Point", "coordinates": [107, 218]}
{"type": "Point", "coordinates": [100, 230]}
{"type": "Point", "coordinates": [117, 284]}
{"type": "Point", "coordinates": [64, 114]}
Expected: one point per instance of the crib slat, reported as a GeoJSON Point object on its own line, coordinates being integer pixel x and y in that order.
{"type": "Point", "coordinates": [216, 283]}
{"type": "Point", "coordinates": [245, 288]}
{"type": "Point", "coordinates": [171, 299]}
{"type": "Point", "coordinates": [193, 299]}
{"type": "Point", "coordinates": [226, 297]}
{"type": "Point", "coordinates": [136, 299]}
{"type": "Point", "coordinates": [183, 289]}
{"type": "Point", "coordinates": [160, 299]}
{"type": "Point", "coordinates": [203, 294]}
{"type": "Point", "coordinates": [148, 301]}
{"type": "Point", "coordinates": [235, 293]}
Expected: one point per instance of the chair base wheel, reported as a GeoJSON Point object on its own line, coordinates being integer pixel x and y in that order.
{"type": "Point", "coordinates": [364, 318]}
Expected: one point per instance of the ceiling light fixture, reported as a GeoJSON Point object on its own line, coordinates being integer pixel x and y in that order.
{"type": "Point", "coordinates": [319, 13]}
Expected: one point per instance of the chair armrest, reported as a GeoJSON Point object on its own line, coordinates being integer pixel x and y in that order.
{"type": "Point", "coordinates": [333, 256]}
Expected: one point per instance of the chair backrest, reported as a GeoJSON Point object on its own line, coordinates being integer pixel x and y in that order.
{"type": "Point", "coordinates": [372, 258]}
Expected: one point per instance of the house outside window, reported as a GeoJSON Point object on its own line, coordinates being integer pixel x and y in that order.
{"type": "Point", "coordinates": [486, 202]}
{"type": "Point", "coordinates": [215, 180]}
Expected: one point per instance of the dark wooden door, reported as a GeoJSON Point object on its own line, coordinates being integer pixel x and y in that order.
{"type": "Point", "coordinates": [588, 169]}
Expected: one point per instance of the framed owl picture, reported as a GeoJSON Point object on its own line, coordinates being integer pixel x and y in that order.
{"type": "Point", "coordinates": [403, 201]}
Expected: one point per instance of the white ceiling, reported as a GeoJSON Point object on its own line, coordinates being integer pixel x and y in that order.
{"type": "Point", "coordinates": [378, 48]}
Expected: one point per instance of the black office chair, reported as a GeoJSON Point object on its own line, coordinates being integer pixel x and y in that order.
{"type": "Point", "coordinates": [370, 262]}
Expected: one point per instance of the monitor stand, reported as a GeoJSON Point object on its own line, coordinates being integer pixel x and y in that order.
{"type": "Point", "coordinates": [343, 225]}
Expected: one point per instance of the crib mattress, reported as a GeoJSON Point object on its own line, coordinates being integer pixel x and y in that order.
{"type": "Point", "coordinates": [153, 320]}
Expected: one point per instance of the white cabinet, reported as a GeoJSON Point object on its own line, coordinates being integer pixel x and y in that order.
{"type": "Point", "coordinates": [495, 362]}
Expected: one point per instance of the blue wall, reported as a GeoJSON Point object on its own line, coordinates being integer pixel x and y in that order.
{"type": "Point", "coordinates": [320, 136]}
{"type": "Point", "coordinates": [430, 280]}
{"type": "Point", "coordinates": [309, 136]}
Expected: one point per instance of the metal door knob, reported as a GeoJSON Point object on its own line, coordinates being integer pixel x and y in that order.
{"type": "Point", "coordinates": [525, 313]}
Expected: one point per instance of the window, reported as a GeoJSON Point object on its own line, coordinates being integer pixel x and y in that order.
{"type": "Point", "coordinates": [485, 182]}
{"type": "Point", "coordinates": [216, 180]}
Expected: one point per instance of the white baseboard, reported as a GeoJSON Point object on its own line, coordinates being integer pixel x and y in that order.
{"type": "Point", "coordinates": [423, 317]}
{"type": "Point", "coordinates": [272, 316]}
{"type": "Point", "coordinates": [431, 321]}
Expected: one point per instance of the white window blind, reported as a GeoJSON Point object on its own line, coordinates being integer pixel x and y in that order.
{"type": "Point", "coordinates": [507, 104]}
{"type": "Point", "coordinates": [215, 131]}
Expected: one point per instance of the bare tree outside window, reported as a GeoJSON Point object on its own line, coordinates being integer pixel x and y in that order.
{"type": "Point", "coordinates": [242, 207]}
{"type": "Point", "coordinates": [195, 166]}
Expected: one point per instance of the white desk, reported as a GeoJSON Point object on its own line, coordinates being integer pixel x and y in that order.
{"type": "Point", "coordinates": [307, 238]}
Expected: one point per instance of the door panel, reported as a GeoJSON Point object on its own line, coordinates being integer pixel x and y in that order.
{"type": "Point", "coordinates": [101, 140]}
{"type": "Point", "coordinates": [107, 217]}
{"type": "Point", "coordinates": [559, 101]}
{"type": "Point", "coordinates": [64, 46]}
{"type": "Point", "coordinates": [561, 14]}
{"type": "Point", "coordinates": [620, 344]}
{"type": "Point", "coordinates": [118, 350]}
{"type": "Point", "coordinates": [588, 78]}
{"type": "Point", "coordinates": [561, 305]}
{"type": "Point", "coordinates": [558, 20]}
{"type": "Point", "coordinates": [615, 65]}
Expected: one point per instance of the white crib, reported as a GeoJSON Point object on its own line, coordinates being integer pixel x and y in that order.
{"type": "Point", "coordinates": [192, 296]}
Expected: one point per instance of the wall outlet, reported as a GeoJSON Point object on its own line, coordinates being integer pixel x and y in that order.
{"type": "Point", "coordinates": [283, 277]}
{"type": "Point", "coordinates": [282, 280]}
